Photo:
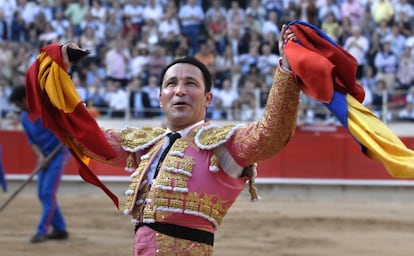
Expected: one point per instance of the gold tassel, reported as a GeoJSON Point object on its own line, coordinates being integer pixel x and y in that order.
{"type": "Point", "coordinates": [253, 191]}
{"type": "Point", "coordinates": [130, 163]}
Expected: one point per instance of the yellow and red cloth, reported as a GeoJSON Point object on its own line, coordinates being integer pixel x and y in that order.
{"type": "Point", "coordinates": [52, 96]}
{"type": "Point", "coordinates": [327, 73]}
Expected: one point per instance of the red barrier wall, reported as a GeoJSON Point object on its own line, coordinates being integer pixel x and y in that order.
{"type": "Point", "coordinates": [310, 154]}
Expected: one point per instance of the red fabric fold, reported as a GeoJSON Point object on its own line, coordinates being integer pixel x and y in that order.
{"type": "Point", "coordinates": [77, 129]}
{"type": "Point", "coordinates": [321, 67]}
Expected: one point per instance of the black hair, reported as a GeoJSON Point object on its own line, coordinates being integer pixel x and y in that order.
{"type": "Point", "coordinates": [193, 61]}
{"type": "Point", "coordinates": [18, 94]}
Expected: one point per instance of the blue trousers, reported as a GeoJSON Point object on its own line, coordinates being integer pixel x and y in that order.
{"type": "Point", "coordinates": [47, 186]}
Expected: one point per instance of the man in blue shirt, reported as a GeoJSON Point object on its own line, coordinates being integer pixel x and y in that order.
{"type": "Point", "coordinates": [43, 142]}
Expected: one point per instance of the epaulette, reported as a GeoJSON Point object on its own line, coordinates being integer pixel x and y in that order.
{"type": "Point", "coordinates": [212, 136]}
{"type": "Point", "coordinates": [135, 139]}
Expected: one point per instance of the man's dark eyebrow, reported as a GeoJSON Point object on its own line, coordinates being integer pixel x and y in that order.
{"type": "Point", "coordinates": [188, 78]}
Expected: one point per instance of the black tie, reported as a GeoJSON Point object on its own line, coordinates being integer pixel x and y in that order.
{"type": "Point", "coordinates": [173, 136]}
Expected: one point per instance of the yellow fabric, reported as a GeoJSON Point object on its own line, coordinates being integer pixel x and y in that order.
{"type": "Point", "coordinates": [51, 80]}
{"type": "Point", "coordinates": [382, 144]}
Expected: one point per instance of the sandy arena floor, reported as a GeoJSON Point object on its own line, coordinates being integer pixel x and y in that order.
{"type": "Point", "coordinates": [273, 226]}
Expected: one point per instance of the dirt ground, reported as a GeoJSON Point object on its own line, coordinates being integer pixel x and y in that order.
{"type": "Point", "coordinates": [272, 226]}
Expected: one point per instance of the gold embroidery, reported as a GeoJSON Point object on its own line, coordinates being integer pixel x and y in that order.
{"type": "Point", "coordinates": [167, 202]}
{"type": "Point", "coordinates": [163, 181]}
{"type": "Point", "coordinates": [261, 140]}
{"type": "Point", "coordinates": [171, 246]}
{"type": "Point", "coordinates": [181, 183]}
{"type": "Point", "coordinates": [187, 164]}
{"type": "Point", "coordinates": [171, 162]}
{"type": "Point", "coordinates": [133, 137]}
{"type": "Point", "coordinates": [214, 135]}
{"type": "Point", "coordinates": [179, 145]}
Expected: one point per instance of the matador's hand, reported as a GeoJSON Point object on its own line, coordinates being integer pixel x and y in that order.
{"type": "Point", "coordinates": [286, 34]}
{"type": "Point", "coordinates": [72, 53]}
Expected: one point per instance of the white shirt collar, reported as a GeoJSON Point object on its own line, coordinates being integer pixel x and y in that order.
{"type": "Point", "coordinates": [184, 132]}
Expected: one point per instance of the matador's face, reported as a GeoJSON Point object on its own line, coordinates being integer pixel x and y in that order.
{"type": "Point", "coordinates": [183, 97]}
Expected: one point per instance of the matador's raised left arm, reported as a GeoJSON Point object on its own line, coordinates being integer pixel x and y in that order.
{"type": "Point", "coordinates": [263, 139]}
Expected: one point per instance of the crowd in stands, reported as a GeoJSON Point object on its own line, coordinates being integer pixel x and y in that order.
{"type": "Point", "coordinates": [130, 41]}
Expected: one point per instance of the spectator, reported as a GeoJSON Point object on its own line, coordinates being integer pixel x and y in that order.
{"type": "Point", "coordinates": [410, 95]}
{"type": "Point", "coordinates": [404, 25]}
{"type": "Point", "coordinates": [271, 25]}
{"type": "Point", "coordinates": [267, 60]}
{"type": "Point", "coordinates": [405, 74]}
{"type": "Point", "coordinates": [153, 11]}
{"type": "Point", "coordinates": [137, 65]}
{"type": "Point", "coordinates": [217, 30]}
{"type": "Point", "coordinates": [352, 10]}
{"type": "Point", "coordinates": [90, 42]}
{"type": "Point", "coordinates": [403, 11]}
{"type": "Point", "coordinates": [290, 13]}
{"type": "Point", "coordinates": [19, 31]}
{"type": "Point", "coordinates": [6, 60]}
{"type": "Point", "coordinates": [117, 98]}
{"type": "Point", "coordinates": [381, 98]}
{"type": "Point", "coordinates": [192, 19]}
{"type": "Point", "coordinates": [257, 11]}
{"type": "Point", "coordinates": [358, 45]}
{"type": "Point", "coordinates": [386, 63]}
{"type": "Point", "coordinates": [4, 27]}
{"type": "Point", "coordinates": [398, 40]}
{"type": "Point", "coordinates": [150, 34]}
{"type": "Point", "coordinates": [113, 27]}
{"type": "Point", "coordinates": [368, 25]}
{"type": "Point", "coordinates": [245, 106]}
{"type": "Point", "coordinates": [383, 30]}
{"type": "Point", "coordinates": [29, 11]}
{"type": "Point", "coordinates": [169, 31]}
{"type": "Point", "coordinates": [224, 63]}
{"type": "Point", "coordinates": [374, 48]}
{"type": "Point", "coordinates": [214, 11]}
{"type": "Point", "coordinates": [205, 55]}
{"type": "Point", "coordinates": [8, 7]}
{"type": "Point", "coordinates": [97, 26]}
{"type": "Point", "coordinates": [407, 113]}
{"type": "Point", "coordinates": [330, 26]}
{"type": "Point", "coordinates": [116, 10]}
{"type": "Point", "coordinates": [139, 101]}
{"type": "Point", "coordinates": [236, 15]}
{"type": "Point", "coordinates": [157, 60]}
{"type": "Point", "coordinates": [98, 99]}
{"type": "Point", "coordinates": [153, 91]}
{"type": "Point", "coordinates": [227, 96]}
{"type": "Point", "coordinates": [252, 24]}
{"type": "Point", "coordinates": [369, 80]}
{"type": "Point", "coordinates": [60, 24]}
{"type": "Point", "coordinates": [134, 12]}
{"type": "Point", "coordinates": [98, 12]}
{"type": "Point", "coordinates": [345, 31]}
{"type": "Point", "coordinates": [382, 10]}
{"type": "Point", "coordinates": [274, 6]}
{"type": "Point", "coordinates": [329, 8]}
{"type": "Point", "coordinates": [248, 59]}
{"type": "Point", "coordinates": [308, 12]}
{"type": "Point", "coordinates": [48, 35]}
{"type": "Point", "coordinates": [76, 12]}
{"type": "Point", "coordinates": [5, 91]}
{"type": "Point", "coordinates": [116, 61]}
